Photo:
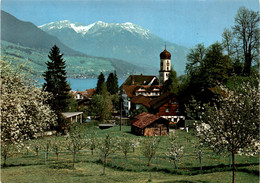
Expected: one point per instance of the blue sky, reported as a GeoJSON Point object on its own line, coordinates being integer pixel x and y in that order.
{"type": "Point", "coordinates": [185, 22]}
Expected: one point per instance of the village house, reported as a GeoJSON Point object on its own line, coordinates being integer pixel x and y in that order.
{"type": "Point", "coordinates": [83, 97]}
{"type": "Point", "coordinates": [146, 124]}
{"type": "Point", "coordinates": [130, 92]}
{"type": "Point", "coordinates": [167, 106]}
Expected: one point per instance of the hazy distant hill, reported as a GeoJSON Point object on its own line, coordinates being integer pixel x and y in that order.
{"type": "Point", "coordinates": [125, 41]}
{"type": "Point", "coordinates": [77, 66]}
{"type": "Point", "coordinates": [29, 35]}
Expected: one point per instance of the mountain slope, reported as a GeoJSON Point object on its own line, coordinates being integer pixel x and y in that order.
{"type": "Point", "coordinates": [24, 42]}
{"type": "Point", "coordinates": [125, 41]}
{"type": "Point", "coordinates": [29, 35]}
{"type": "Point", "coordinates": [78, 66]}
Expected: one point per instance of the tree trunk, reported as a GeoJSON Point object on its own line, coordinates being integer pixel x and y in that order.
{"type": "Point", "coordinates": [57, 154]}
{"type": "Point", "coordinates": [105, 162]}
{"type": "Point", "coordinates": [74, 157]}
{"type": "Point", "coordinates": [92, 151]}
{"type": "Point", "coordinates": [247, 65]}
{"type": "Point", "coordinates": [149, 169]}
{"type": "Point", "coordinates": [5, 158]}
{"type": "Point", "coordinates": [233, 164]}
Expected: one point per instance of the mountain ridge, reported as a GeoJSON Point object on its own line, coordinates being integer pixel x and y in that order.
{"type": "Point", "coordinates": [27, 34]}
{"type": "Point", "coordinates": [126, 41]}
{"type": "Point", "coordinates": [27, 43]}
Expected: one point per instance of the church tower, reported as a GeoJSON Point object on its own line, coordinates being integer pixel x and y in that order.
{"type": "Point", "coordinates": [165, 66]}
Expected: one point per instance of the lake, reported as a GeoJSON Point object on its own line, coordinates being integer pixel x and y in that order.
{"type": "Point", "coordinates": [83, 84]}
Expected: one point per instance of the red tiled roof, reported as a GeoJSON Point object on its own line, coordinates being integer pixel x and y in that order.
{"type": "Point", "coordinates": [87, 93]}
{"type": "Point", "coordinates": [158, 102]}
{"type": "Point", "coordinates": [141, 100]}
{"type": "Point", "coordinates": [129, 90]}
{"type": "Point", "coordinates": [90, 92]}
{"type": "Point", "coordinates": [144, 119]}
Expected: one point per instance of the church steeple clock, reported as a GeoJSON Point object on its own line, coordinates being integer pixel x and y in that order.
{"type": "Point", "coordinates": [165, 66]}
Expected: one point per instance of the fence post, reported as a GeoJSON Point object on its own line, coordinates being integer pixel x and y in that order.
{"type": "Point", "coordinates": [112, 161]}
{"type": "Point", "coordinates": [156, 163]}
{"type": "Point", "coordinates": [45, 156]}
{"type": "Point", "coordinates": [139, 163]}
{"type": "Point", "coordinates": [200, 158]}
{"type": "Point", "coordinates": [177, 159]}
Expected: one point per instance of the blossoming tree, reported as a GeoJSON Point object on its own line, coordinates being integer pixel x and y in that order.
{"type": "Point", "coordinates": [232, 123]}
{"type": "Point", "coordinates": [24, 111]}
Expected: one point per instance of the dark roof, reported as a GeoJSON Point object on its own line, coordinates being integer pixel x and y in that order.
{"type": "Point", "coordinates": [141, 100]}
{"type": "Point", "coordinates": [158, 102]}
{"type": "Point", "coordinates": [144, 119]}
{"type": "Point", "coordinates": [140, 80]}
{"type": "Point", "coordinates": [165, 55]}
{"type": "Point", "coordinates": [131, 89]}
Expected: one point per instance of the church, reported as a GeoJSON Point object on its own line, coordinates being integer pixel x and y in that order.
{"type": "Point", "coordinates": [146, 91]}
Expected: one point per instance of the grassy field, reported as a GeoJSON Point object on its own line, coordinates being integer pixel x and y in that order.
{"type": "Point", "coordinates": [29, 168]}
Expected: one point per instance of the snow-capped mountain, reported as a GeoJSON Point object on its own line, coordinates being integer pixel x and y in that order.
{"type": "Point", "coordinates": [126, 41]}
{"type": "Point", "coordinates": [84, 29]}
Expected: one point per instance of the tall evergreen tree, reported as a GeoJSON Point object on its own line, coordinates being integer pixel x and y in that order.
{"type": "Point", "coordinates": [56, 83]}
{"type": "Point", "coordinates": [112, 83]}
{"type": "Point", "coordinates": [101, 80]}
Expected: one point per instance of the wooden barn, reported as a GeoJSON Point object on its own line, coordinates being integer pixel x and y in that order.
{"type": "Point", "coordinates": [146, 124]}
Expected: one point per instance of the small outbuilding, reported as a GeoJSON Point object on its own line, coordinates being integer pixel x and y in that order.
{"type": "Point", "coordinates": [73, 116]}
{"type": "Point", "coordinates": [146, 124]}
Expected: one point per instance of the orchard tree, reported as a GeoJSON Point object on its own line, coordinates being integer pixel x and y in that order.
{"type": "Point", "coordinates": [57, 145]}
{"type": "Point", "coordinates": [76, 140]}
{"type": "Point", "coordinates": [150, 145]}
{"type": "Point", "coordinates": [125, 145]}
{"type": "Point", "coordinates": [56, 83]}
{"type": "Point", "coordinates": [232, 123]}
{"type": "Point", "coordinates": [92, 140]}
{"type": "Point", "coordinates": [174, 150]}
{"type": "Point", "coordinates": [24, 111]}
{"type": "Point", "coordinates": [107, 146]}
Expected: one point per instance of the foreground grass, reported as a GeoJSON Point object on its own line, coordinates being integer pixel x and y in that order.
{"type": "Point", "coordinates": [29, 168]}
{"type": "Point", "coordinates": [91, 172]}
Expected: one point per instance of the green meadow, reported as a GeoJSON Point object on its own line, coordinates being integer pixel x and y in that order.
{"type": "Point", "coordinates": [25, 166]}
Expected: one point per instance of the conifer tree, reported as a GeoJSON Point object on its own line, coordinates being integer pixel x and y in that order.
{"type": "Point", "coordinates": [56, 83]}
{"type": "Point", "coordinates": [101, 80]}
{"type": "Point", "coordinates": [112, 83]}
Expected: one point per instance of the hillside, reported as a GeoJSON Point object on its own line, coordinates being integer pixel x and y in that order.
{"type": "Point", "coordinates": [125, 41]}
{"type": "Point", "coordinates": [77, 66]}
{"type": "Point", "coordinates": [27, 34]}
